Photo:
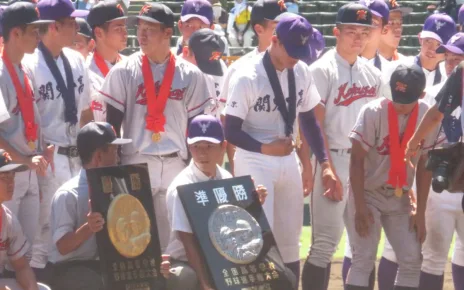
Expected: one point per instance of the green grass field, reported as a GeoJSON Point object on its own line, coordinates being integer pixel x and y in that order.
{"type": "Point", "coordinates": [306, 241]}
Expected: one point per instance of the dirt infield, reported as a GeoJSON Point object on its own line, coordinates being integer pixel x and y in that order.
{"type": "Point", "coordinates": [336, 282]}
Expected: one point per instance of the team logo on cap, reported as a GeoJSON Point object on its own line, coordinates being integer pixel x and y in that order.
{"type": "Point", "coordinates": [7, 157]}
{"type": "Point", "coordinates": [282, 5]}
{"type": "Point", "coordinates": [368, 2]}
{"type": "Point", "coordinates": [37, 11]}
{"type": "Point", "coordinates": [401, 87]}
{"type": "Point", "coordinates": [393, 3]}
{"type": "Point", "coordinates": [361, 15]}
{"type": "Point", "coordinates": [455, 38]}
{"type": "Point", "coordinates": [439, 24]}
{"type": "Point", "coordinates": [197, 7]}
{"type": "Point", "coordinates": [145, 9]}
{"type": "Point", "coordinates": [304, 39]}
{"type": "Point", "coordinates": [120, 8]}
{"type": "Point", "coordinates": [204, 126]}
{"type": "Point", "coordinates": [215, 55]}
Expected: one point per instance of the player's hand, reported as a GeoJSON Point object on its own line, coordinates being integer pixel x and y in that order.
{"type": "Point", "coordinates": [165, 266]}
{"type": "Point", "coordinates": [260, 191]}
{"type": "Point", "coordinates": [411, 149]}
{"type": "Point", "coordinates": [417, 223]}
{"type": "Point", "coordinates": [412, 202]}
{"type": "Point", "coordinates": [362, 220]}
{"type": "Point", "coordinates": [332, 184]}
{"type": "Point", "coordinates": [279, 147]}
{"type": "Point", "coordinates": [39, 164]}
{"type": "Point", "coordinates": [49, 154]}
{"type": "Point", "coordinates": [95, 220]}
{"type": "Point", "coordinates": [308, 181]}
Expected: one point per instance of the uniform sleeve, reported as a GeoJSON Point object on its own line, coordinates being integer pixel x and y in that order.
{"type": "Point", "coordinates": [364, 129]}
{"type": "Point", "coordinates": [18, 244]}
{"type": "Point", "coordinates": [321, 81]}
{"type": "Point", "coordinates": [177, 215]}
{"type": "Point", "coordinates": [85, 100]}
{"type": "Point", "coordinates": [113, 90]}
{"type": "Point", "coordinates": [312, 95]}
{"type": "Point", "coordinates": [63, 217]}
{"type": "Point", "coordinates": [225, 83]}
{"type": "Point", "coordinates": [4, 115]}
{"type": "Point", "coordinates": [96, 104]}
{"type": "Point", "coordinates": [240, 96]}
{"type": "Point", "coordinates": [197, 96]}
{"type": "Point", "coordinates": [451, 93]}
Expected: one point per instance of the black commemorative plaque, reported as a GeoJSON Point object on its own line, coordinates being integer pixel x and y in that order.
{"type": "Point", "coordinates": [234, 235]}
{"type": "Point", "coordinates": [128, 245]}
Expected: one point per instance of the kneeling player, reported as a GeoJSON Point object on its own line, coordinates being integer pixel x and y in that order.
{"type": "Point", "coordinates": [380, 179]}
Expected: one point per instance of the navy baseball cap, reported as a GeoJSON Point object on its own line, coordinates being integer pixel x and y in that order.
{"type": "Point", "coordinates": [378, 8]}
{"type": "Point", "coordinates": [157, 13]}
{"type": "Point", "coordinates": [267, 10]}
{"type": "Point", "coordinates": [6, 164]}
{"type": "Point", "coordinates": [105, 12]}
{"type": "Point", "coordinates": [461, 15]}
{"type": "Point", "coordinates": [1, 16]}
{"type": "Point", "coordinates": [394, 6]}
{"type": "Point", "coordinates": [84, 28]}
{"type": "Point", "coordinates": [407, 83]}
{"type": "Point", "coordinates": [208, 49]}
{"type": "Point", "coordinates": [58, 9]}
{"type": "Point", "coordinates": [354, 14]}
{"type": "Point", "coordinates": [294, 33]}
{"type": "Point", "coordinates": [20, 13]}
{"type": "Point", "coordinates": [200, 9]}
{"type": "Point", "coordinates": [454, 45]}
{"type": "Point", "coordinates": [205, 128]}
{"type": "Point", "coordinates": [439, 26]}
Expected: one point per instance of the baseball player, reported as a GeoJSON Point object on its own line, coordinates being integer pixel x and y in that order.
{"type": "Point", "coordinates": [62, 90]}
{"type": "Point", "coordinates": [391, 35]}
{"type": "Point", "coordinates": [108, 24]}
{"type": "Point", "coordinates": [345, 82]}
{"type": "Point", "coordinates": [154, 95]}
{"type": "Point", "coordinates": [458, 264]}
{"type": "Point", "coordinates": [258, 123]}
{"type": "Point", "coordinates": [84, 44]}
{"type": "Point", "coordinates": [205, 50]}
{"type": "Point", "coordinates": [238, 24]}
{"type": "Point", "coordinates": [206, 145]}
{"type": "Point", "coordinates": [14, 243]}
{"type": "Point", "coordinates": [380, 179]}
{"type": "Point", "coordinates": [21, 134]}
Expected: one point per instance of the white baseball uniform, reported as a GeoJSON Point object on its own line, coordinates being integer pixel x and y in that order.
{"type": "Point", "coordinates": [124, 90]}
{"type": "Point", "coordinates": [251, 99]}
{"type": "Point", "coordinates": [25, 201]}
{"type": "Point", "coordinates": [344, 89]}
{"type": "Point", "coordinates": [56, 131]}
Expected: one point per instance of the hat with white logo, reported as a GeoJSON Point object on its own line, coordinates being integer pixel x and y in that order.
{"type": "Point", "coordinates": [439, 26]}
{"type": "Point", "coordinates": [454, 45]}
{"type": "Point", "coordinates": [294, 32]}
{"type": "Point", "coordinates": [205, 128]}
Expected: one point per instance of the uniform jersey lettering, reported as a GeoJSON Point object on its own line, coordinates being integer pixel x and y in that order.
{"type": "Point", "coordinates": [4, 245]}
{"type": "Point", "coordinates": [46, 92]}
{"type": "Point", "coordinates": [384, 148]}
{"type": "Point", "coordinates": [141, 96]}
{"type": "Point", "coordinates": [96, 106]}
{"type": "Point", "coordinates": [348, 96]}
{"type": "Point", "coordinates": [300, 98]}
{"type": "Point", "coordinates": [81, 85]}
{"type": "Point", "coordinates": [263, 104]}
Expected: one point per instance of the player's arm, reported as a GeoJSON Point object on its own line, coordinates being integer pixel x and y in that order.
{"type": "Point", "coordinates": [423, 182]}
{"type": "Point", "coordinates": [37, 162]}
{"type": "Point", "coordinates": [358, 154]}
{"type": "Point", "coordinates": [195, 260]}
{"type": "Point", "coordinates": [319, 113]}
{"type": "Point", "coordinates": [304, 154]}
{"type": "Point", "coordinates": [24, 274]}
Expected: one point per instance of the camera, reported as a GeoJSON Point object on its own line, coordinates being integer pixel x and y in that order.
{"type": "Point", "coordinates": [444, 162]}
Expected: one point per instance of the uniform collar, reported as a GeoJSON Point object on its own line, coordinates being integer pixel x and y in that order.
{"type": "Point", "coordinates": [200, 176]}
{"type": "Point", "coordinates": [344, 62]}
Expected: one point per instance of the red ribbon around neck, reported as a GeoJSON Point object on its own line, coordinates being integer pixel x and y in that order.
{"type": "Point", "coordinates": [397, 176]}
{"type": "Point", "coordinates": [156, 103]}
{"type": "Point", "coordinates": [25, 100]}
{"type": "Point", "coordinates": [101, 64]}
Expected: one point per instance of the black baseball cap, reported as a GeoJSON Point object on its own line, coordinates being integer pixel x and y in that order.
{"type": "Point", "coordinates": [94, 135]}
{"type": "Point", "coordinates": [266, 10]}
{"type": "Point", "coordinates": [394, 6]}
{"type": "Point", "coordinates": [354, 14]}
{"type": "Point", "coordinates": [20, 13]}
{"type": "Point", "coordinates": [7, 165]}
{"type": "Point", "coordinates": [84, 28]}
{"type": "Point", "coordinates": [208, 49]}
{"type": "Point", "coordinates": [157, 13]}
{"type": "Point", "coordinates": [105, 12]}
{"type": "Point", "coordinates": [407, 83]}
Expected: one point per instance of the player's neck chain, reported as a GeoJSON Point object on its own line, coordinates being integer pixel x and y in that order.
{"type": "Point", "coordinates": [397, 176]}
{"type": "Point", "coordinates": [289, 115]}
{"type": "Point", "coordinates": [101, 64]}
{"type": "Point", "coordinates": [25, 101]}
{"type": "Point", "coordinates": [156, 101]}
{"type": "Point", "coordinates": [67, 92]}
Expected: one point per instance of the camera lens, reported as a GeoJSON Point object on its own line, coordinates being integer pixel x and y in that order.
{"type": "Point", "coordinates": [440, 180]}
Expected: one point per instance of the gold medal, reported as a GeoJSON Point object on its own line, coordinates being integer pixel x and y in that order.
{"type": "Point", "coordinates": [156, 137]}
{"type": "Point", "coordinates": [31, 145]}
{"type": "Point", "coordinates": [399, 192]}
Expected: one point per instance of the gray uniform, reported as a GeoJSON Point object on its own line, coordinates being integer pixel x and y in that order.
{"type": "Point", "coordinates": [390, 212]}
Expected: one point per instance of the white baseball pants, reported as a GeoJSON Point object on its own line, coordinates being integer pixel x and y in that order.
{"type": "Point", "coordinates": [284, 203]}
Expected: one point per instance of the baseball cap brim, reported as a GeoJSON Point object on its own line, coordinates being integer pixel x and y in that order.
{"type": "Point", "coordinates": [190, 16]}
{"type": "Point", "coordinates": [430, 34]}
{"type": "Point", "coordinates": [375, 13]}
{"type": "Point", "coordinates": [119, 18]}
{"type": "Point", "coordinates": [148, 19]}
{"type": "Point", "coordinates": [121, 141]}
{"type": "Point", "coordinates": [450, 48]}
{"type": "Point", "coordinates": [194, 140]}
{"type": "Point", "coordinates": [355, 24]}
{"type": "Point", "coordinates": [14, 167]}
{"type": "Point", "coordinates": [79, 13]}
{"type": "Point", "coordinates": [38, 22]}
{"type": "Point", "coordinates": [210, 68]}
{"type": "Point", "coordinates": [404, 10]}
{"type": "Point", "coordinates": [298, 52]}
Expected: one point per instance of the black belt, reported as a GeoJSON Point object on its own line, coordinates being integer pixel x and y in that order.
{"type": "Point", "coordinates": [170, 155]}
{"type": "Point", "coordinates": [348, 151]}
{"type": "Point", "coordinates": [70, 151]}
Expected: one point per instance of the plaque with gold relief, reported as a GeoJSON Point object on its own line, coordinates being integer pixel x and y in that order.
{"type": "Point", "coordinates": [128, 246]}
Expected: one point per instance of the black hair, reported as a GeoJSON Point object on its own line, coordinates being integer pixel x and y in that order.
{"type": "Point", "coordinates": [87, 155]}
{"type": "Point", "coordinates": [7, 30]}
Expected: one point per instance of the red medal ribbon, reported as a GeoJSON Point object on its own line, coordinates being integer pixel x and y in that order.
{"type": "Point", "coordinates": [397, 177]}
{"type": "Point", "coordinates": [25, 100]}
{"type": "Point", "coordinates": [101, 64]}
{"type": "Point", "coordinates": [156, 103]}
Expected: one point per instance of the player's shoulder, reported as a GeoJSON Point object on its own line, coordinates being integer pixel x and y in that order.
{"type": "Point", "coordinates": [224, 173]}
{"type": "Point", "coordinates": [325, 62]}
{"type": "Point", "coordinates": [375, 106]}
{"type": "Point", "coordinates": [184, 177]}
{"type": "Point", "coordinates": [10, 217]}
{"type": "Point", "coordinates": [365, 66]}
{"type": "Point", "coordinates": [423, 106]}
{"type": "Point", "coordinates": [75, 58]}
{"type": "Point", "coordinates": [249, 70]}
{"type": "Point", "coordinates": [71, 188]}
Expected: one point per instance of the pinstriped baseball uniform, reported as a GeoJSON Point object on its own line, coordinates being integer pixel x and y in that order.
{"type": "Point", "coordinates": [124, 90]}
{"type": "Point", "coordinates": [390, 212]}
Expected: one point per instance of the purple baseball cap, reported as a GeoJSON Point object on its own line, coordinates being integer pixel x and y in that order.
{"type": "Point", "coordinates": [205, 128]}
{"type": "Point", "coordinates": [461, 15]}
{"type": "Point", "coordinates": [439, 26]}
{"type": "Point", "coordinates": [200, 9]}
{"type": "Point", "coordinates": [317, 45]}
{"type": "Point", "coordinates": [58, 9]}
{"type": "Point", "coordinates": [378, 8]}
{"type": "Point", "coordinates": [454, 45]}
{"type": "Point", "coordinates": [294, 32]}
